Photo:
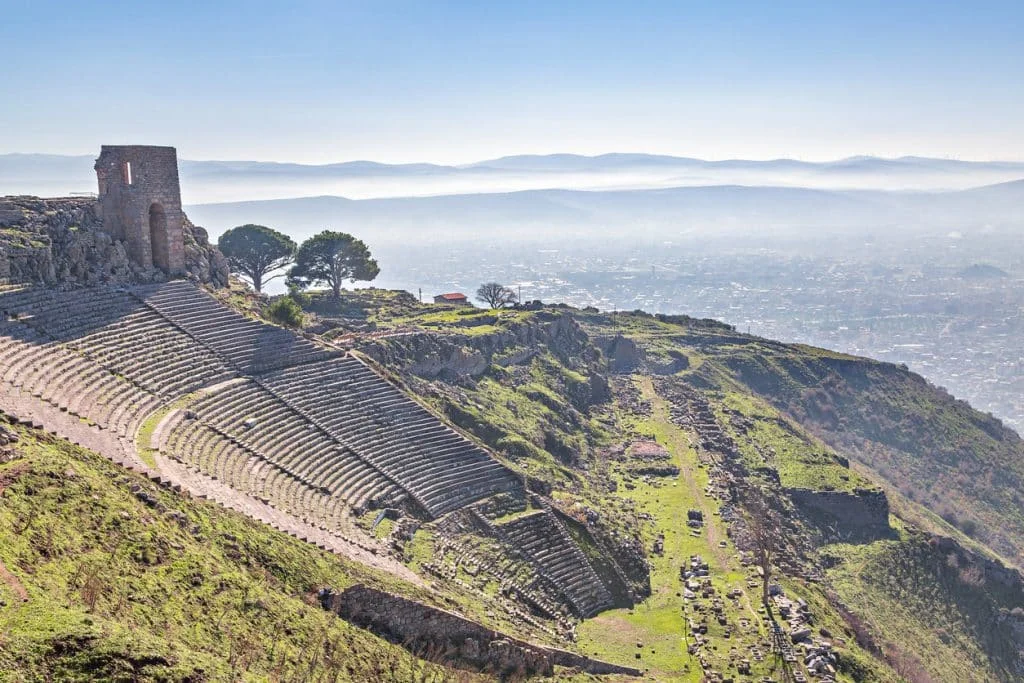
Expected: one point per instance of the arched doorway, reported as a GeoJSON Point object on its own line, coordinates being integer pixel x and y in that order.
{"type": "Point", "coordinates": [158, 238]}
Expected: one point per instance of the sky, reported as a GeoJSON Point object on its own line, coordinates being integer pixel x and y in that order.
{"type": "Point", "coordinates": [455, 82]}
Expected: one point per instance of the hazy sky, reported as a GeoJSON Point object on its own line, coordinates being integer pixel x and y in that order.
{"type": "Point", "coordinates": [455, 82]}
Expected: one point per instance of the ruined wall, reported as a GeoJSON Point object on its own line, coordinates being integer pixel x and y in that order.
{"type": "Point", "coordinates": [140, 203]}
{"type": "Point", "coordinates": [857, 513]}
{"type": "Point", "coordinates": [135, 231]}
{"type": "Point", "coordinates": [446, 637]}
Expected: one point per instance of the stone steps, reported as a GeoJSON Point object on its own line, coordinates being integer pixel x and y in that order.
{"type": "Point", "coordinates": [542, 539]}
{"type": "Point", "coordinates": [286, 439]}
{"type": "Point", "coordinates": [442, 469]}
{"type": "Point", "coordinates": [248, 345]}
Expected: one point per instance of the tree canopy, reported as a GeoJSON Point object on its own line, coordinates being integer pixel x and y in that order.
{"type": "Point", "coordinates": [495, 295]}
{"type": "Point", "coordinates": [331, 258]}
{"type": "Point", "coordinates": [255, 251]}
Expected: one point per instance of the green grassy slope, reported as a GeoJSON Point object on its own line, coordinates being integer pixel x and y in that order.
{"type": "Point", "coordinates": [907, 432]}
{"type": "Point", "coordinates": [109, 577]}
{"type": "Point", "coordinates": [796, 415]}
{"type": "Point", "coordinates": [939, 612]}
{"type": "Point", "coordinates": [962, 464]}
{"type": "Point", "coordinates": [659, 623]}
{"type": "Point", "coordinates": [959, 463]}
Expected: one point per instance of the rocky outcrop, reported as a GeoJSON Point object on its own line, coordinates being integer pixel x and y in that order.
{"type": "Point", "coordinates": [454, 356]}
{"type": "Point", "coordinates": [63, 241]}
{"type": "Point", "coordinates": [453, 640]}
{"type": "Point", "coordinates": [430, 356]}
{"type": "Point", "coordinates": [624, 356]}
{"type": "Point", "coordinates": [203, 261]}
{"type": "Point", "coordinates": [8, 439]}
{"type": "Point", "coordinates": [992, 570]}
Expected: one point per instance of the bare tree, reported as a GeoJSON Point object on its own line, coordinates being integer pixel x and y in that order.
{"type": "Point", "coordinates": [765, 529]}
{"type": "Point", "coordinates": [495, 295]}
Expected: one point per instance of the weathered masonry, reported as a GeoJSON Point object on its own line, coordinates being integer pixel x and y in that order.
{"type": "Point", "coordinates": [452, 639]}
{"type": "Point", "coordinates": [140, 203]}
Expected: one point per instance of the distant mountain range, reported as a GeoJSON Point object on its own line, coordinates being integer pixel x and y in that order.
{"type": "Point", "coordinates": [575, 162]}
{"type": "Point", "coordinates": [518, 197]}
{"type": "Point", "coordinates": [219, 181]}
{"type": "Point", "coordinates": [663, 214]}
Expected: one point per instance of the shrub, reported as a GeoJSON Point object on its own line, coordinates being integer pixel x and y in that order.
{"type": "Point", "coordinates": [969, 526]}
{"type": "Point", "coordinates": [951, 517]}
{"type": "Point", "coordinates": [284, 311]}
{"type": "Point", "coordinates": [973, 575]}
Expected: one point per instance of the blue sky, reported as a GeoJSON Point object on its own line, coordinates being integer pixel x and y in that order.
{"type": "Point", "coordinates": [454, 82]}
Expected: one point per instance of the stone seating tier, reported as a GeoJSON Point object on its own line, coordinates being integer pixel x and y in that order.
{"type": "Point", "coordinates": [374, 418]}
{"type": "Point", "coordinates": [249, 345]}
{"type": "Point", "coordinates": [313, 430]}
{"type": "Point", "coordinates": [261, 422]}
{"type": "Point", "coordinates": [539, 537]}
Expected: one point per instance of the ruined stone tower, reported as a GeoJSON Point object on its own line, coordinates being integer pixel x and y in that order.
{"type": "Point", "coordinates": [140, 203]}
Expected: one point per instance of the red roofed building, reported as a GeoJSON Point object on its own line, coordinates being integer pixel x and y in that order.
{"type": "Point", "coordinates": [451, 298]}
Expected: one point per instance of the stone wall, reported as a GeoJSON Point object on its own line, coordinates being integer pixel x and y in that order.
{"type": "Point", "coordinates": [448, 638]}
{"type": "Point", "coordinates": [624, 356]}
{"type": "Point", "coordinates": [857, 513]}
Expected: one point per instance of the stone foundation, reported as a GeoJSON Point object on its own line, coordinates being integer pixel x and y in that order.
{"type": "Point", "coordinates": [858, 513]}
{"type": "Point", "coordinates": [448, 638]}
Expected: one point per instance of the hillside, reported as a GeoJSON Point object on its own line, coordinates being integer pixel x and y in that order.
{"type": "Point", "coordinates": [107, 576]}
{"type": "Point", "coordinates": [669, 212]}
{"type": "Point", "coordinates": [539, 491]}
{"type": "Point", "coordinates": [963, 465]}
{"type": "Point", "coordinates": [689, 385]}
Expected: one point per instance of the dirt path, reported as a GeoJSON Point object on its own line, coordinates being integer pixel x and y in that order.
{"type": "Point", "coordinates": [690, 474]}
{"type": "Point", "coordinates": [714, 525]}
{"type": "Point", "coordinates": [12, 581]}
